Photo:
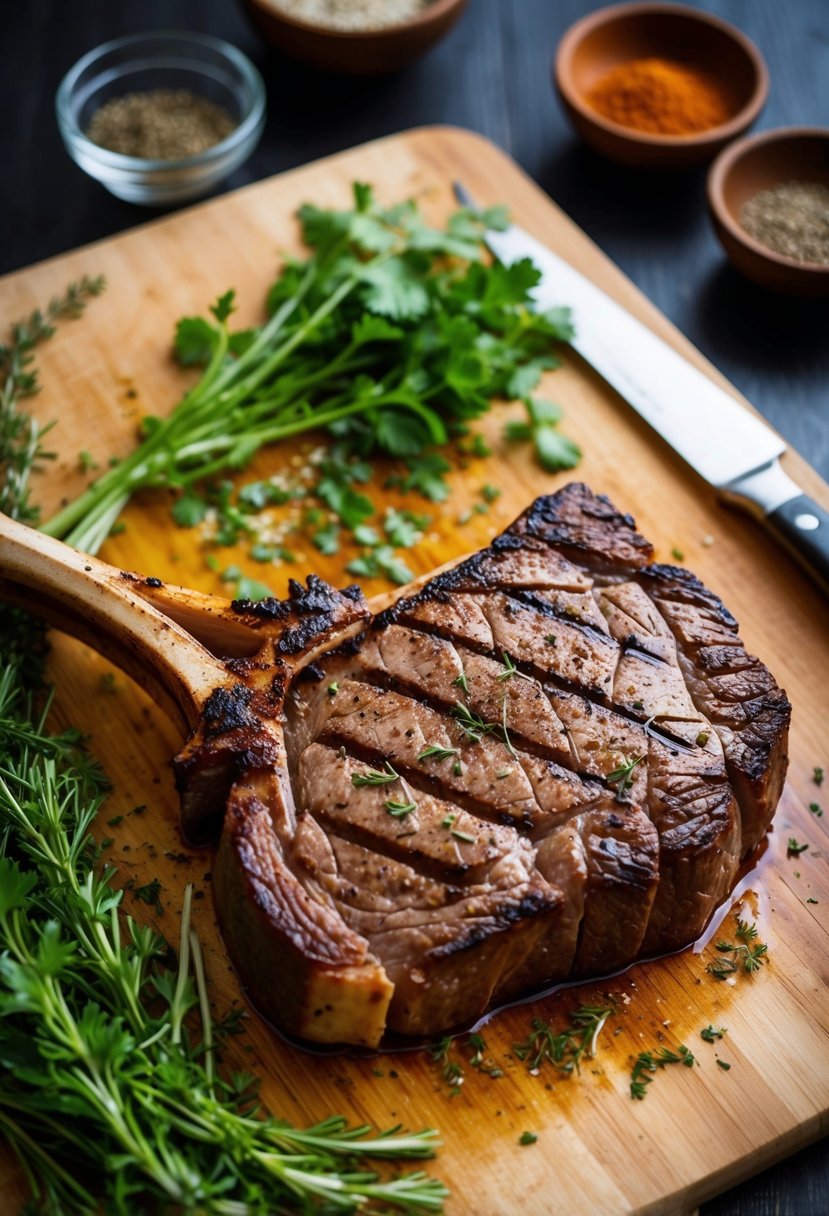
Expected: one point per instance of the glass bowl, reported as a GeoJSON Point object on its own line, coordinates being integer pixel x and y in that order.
{"type": "Point", "coordinates": [171, 59]}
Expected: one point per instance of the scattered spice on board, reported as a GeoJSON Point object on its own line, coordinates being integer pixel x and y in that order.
{"type": "Point", "coordinates": [352, 14]}
{"type": "Point", "coordinates": [160, 124]}
{"type": "Point", "coordinates": [792, 219]}
{"type": "Point", "coordinates": [661, 96]}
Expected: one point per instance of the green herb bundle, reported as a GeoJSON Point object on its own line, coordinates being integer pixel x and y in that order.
{"type": "Point", "coordinates": [392, 334]}
{"type": "Point", "coordinates": [110, 1091]}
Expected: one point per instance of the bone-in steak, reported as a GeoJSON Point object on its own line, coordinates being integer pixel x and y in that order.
{"type": "Point", "coordinates": [548, 762]}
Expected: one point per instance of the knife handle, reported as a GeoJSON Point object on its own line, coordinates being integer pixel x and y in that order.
{"type": "Point", "coordinates": [803, 526]}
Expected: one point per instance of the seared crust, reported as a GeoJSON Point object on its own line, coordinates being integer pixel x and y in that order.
{"type": "Point", "coordinates": [501, 849]}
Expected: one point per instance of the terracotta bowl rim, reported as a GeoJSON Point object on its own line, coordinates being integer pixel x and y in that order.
{"type": "Point", "coordinates": [718, 174]}
{"type": "Point", "coordinates": [431, 13]}
{"type": "Point", "coordinates": [642, 8]}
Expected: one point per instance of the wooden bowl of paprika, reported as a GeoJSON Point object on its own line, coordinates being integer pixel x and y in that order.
{"type": "Point", "coordinates": [659, 86]}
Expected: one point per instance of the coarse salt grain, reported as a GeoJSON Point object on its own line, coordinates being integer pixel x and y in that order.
{"type": "Point", "coordinates": [352, 14]}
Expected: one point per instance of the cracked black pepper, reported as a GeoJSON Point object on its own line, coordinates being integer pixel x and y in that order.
{"type": "Point", "coordinates": [792, 219]}
{"type": "Point", "coordinates": [161, 124]}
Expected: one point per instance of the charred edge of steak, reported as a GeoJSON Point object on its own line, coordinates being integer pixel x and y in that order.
{"type": "Point", "coordinates": [316, 608]}
{"type": "Point", "coordinates": [585, 524]}
{"type": "Point", "coordinates": [228, 709]}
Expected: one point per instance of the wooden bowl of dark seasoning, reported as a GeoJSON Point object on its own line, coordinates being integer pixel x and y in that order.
{"type": "Point", "coordinates": [354, 51]}
{"type": "Point", "coordinates": [692, 40]}
{"type": "Point", "coordinates": [767, 173]}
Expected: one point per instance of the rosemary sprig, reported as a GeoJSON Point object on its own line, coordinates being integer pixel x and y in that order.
{"type": "Point", "coordinates": [400, 809]}
{"type": "Point", "coordinates": [374, 776]}
{"type": "Point", "coordinates": [434, 752]}
{"type": "Point", "coordinates": [511, 670]}
{"type": "Point", "coordinates": [473, 726]}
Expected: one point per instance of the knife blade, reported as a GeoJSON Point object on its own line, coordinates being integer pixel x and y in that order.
{"type": "Point", "coordinates": [729, 447]}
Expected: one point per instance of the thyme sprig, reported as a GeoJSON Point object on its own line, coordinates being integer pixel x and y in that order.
{"type": "Point", "coordinates": [21, 436]}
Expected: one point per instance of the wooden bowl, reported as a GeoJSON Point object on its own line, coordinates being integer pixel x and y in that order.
{"type": "Point", "coordinates": [612, 36]}
{"type": "Point", "coordinates": [760, 163]}
{"type": "Point", "coordinates": [354, 52]}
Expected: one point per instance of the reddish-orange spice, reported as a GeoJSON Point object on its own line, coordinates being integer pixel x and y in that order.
{"type": "Point", "coordinates": [661, 96]}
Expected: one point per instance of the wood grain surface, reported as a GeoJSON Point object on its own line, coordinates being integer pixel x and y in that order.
{"type": "Point", "coordinates": [699, 1130]}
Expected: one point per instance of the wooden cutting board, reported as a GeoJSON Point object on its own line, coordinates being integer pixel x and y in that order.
{"type": "Point", "coordinates": [699, 1130]}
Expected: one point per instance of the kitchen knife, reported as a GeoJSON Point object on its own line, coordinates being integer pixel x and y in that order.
{"type": "Point", "coordinates": [731, 448]}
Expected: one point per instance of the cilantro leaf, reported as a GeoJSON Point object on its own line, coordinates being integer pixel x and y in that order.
{"type": "Point", "coordinates": [403, 528]}
{"type": "Point", "coordinates": [426, 475]}
{"type": "Point", "coordinates": [194, 341]}
{"type": "Point", "coordinates": [555, 451]}
{"type": "Point", "coordinates": [327, 539]}
{"type": "Point", "coordinates": [394, 288]}
{"type": "Point", "coordinates": [189, 510]}
{"type": "Point", "coordinates": [348, 504]}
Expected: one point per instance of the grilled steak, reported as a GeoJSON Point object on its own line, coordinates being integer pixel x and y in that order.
{"type": "Point", "coordinates": [546, 763]}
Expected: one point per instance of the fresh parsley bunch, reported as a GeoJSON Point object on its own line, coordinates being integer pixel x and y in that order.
{"type": "Point", "coordinates": [393, 334]}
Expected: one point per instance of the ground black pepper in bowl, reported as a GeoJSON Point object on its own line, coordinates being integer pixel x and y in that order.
{"type": "Point", "coordinates": [161, 124]}
{"type": "Point", "coordinates": [791, 219]}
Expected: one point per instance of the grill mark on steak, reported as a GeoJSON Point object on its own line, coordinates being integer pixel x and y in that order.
{"type": "Point", "coordinates": [555, 873]}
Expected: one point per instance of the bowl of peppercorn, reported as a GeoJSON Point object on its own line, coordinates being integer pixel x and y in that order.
{"type": "Point", "coordinates": [163, 117]}
{"type": "Point", "coordinates": [769, 201]}
{"type": "Point", "coordinates": [659, 86]}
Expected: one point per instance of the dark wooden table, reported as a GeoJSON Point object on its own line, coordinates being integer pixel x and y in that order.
{"type": "Point", "coordinates": [493, 75]}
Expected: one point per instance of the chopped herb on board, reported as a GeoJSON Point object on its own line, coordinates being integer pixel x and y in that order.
{"type": "Point", "coordinates": [817, 775]}
{"type": "Point", "coordinates": [746, 954]}
{"type": "Point", "coordinates": [722, 1064]}
{"type": "Point", "coordinates": [794, 848]}
{"type": "Point", "coordinates": [527, 1138]}
{"type": "Point", "coordinates": [565, 1049]}
{"type": "Point", "coordinates": [648, 1062]}
{"type": "Point", "coordinates": [711, 1033]}
{"type": "Point", "coordinates": [816, 809]}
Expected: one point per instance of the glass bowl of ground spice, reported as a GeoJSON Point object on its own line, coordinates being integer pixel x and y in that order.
{"type": "Point", "coordinates": [769, 201]}
{"type": "Point", "coordinates": [659, 85]}
{"type": "Point", "coordinates": [354, 37]}
{"type": "Point", "coordinates": [161, 118]}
